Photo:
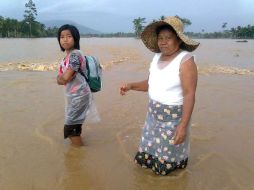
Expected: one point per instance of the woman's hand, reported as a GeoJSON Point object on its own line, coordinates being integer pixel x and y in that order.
{"type": "Point", "coordinates": [180, 134]}
{"type": "Point", "coordinates": [124, 88]}
{"type": "Point", "coordinates": [137, 86]}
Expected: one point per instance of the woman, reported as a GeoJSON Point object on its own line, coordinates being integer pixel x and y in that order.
{"type": "Point", "coordinates": [171, 85]}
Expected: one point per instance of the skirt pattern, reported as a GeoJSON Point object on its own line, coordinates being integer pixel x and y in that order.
{"type": "Point", "coordinates": [157, 149]}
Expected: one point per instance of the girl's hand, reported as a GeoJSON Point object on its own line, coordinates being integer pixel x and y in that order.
{"type": "Point", "coordinates": [67, 76]}
{"type": "Point", "coordinates": [124, 88]}
{"type": "Point", "coordinates": [179, 135]}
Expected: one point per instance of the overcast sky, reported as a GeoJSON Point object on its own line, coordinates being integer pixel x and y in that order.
{"type": "Point", "coordinates": [117, 15]}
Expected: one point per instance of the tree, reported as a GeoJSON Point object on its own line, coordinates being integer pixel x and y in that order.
{"type": "Point", "coordinates": [30, 13]}
{"type": "Point", "coordinates": [7, 27]}
{"type": "Point", "coordinates": [224, 25]}
{"type": "Point", "coordinates": [186, 22]}
{"type": "Point", "coordinates": [51, 32]}
{"type": "Point", "coordinates": [162, 17]}
{"type": "Point", "coordinates": [1, 25]}
{"type": "Point", "coordinates": [138, 26]}
{"type": "Point", "coordinates": [10, 27]}
{"type": "Point", "coordinates": [233, 32]}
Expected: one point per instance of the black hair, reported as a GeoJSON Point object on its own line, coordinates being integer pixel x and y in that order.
{"type": "Point", "coordinates": [74, 32]}
{"type": "Point", "coordinates": [165, 27]}
{"type": "Point", "coordinates": [171, 29]}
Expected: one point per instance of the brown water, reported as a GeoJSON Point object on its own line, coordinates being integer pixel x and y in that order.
{"type": "Point", "coordinates": [33, 154]}
{"type": "Point", "coordinates": [43, 54]}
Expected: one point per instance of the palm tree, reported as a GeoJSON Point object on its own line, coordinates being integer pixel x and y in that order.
{"type": "Point", "coordinates": [186, 22]}
{"type": "Point", "coordinates": [138, 26]}
{"type": "Point", "coordinates": [224, 25]}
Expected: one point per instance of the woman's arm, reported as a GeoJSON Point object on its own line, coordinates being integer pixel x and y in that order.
{"type": "Point", "coordinates": [137, 86]}
{"type": "Point", "coordinates": [189, 77]}
{"type": "Point", "coordinates": [65, 77]}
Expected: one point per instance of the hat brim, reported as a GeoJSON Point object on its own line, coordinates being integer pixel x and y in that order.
{"type": "Point", "coordinates": [149, 38]}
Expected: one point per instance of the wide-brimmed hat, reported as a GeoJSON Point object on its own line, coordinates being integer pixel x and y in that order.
{"type": "Point", "coordinates": [149, 36]}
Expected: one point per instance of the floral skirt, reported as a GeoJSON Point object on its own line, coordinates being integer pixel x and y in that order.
{"type": "Point", "coordinates": [156, 150]}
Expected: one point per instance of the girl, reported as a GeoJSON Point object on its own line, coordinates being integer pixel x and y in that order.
{"type": "Point", "coordinates": [78, 94]}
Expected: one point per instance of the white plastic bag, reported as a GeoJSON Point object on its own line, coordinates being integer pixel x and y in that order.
{"type": "Point", "coordinates": [92, 115]}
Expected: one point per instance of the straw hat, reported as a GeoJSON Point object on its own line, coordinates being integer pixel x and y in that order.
{"type": "Point", "coordinates": [149, 36]}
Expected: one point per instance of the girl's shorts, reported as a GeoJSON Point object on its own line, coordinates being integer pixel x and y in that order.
{"type": "Point", "coordinates": [72, 130]}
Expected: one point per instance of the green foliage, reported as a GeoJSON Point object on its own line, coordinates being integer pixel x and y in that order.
{"type": "Point", "coordinates": [30, 11]}
{"type": "Point", "coordinates": [186, 22]}
{"type": "Point", "coordinates": [242, 32]}
{"type": "Point", "coordinates": [12, 28]}
{"type": "Point", "coordinates": [246, 32]}
{"type": "Point", "coordinates": [29, 16]}
{"type": "Point", "coordinates": [162, 17]}
{"type": "Point", "coordinates": [28, 27]}
{"type": "Point", "coordinates": [239, 32]}
{"type": "Point", "coordinates": [9, 27]}
{"type": "Point", "coordinates": [138, 26]}
{"type": "Point", "coordinates": [51, 32]}
{"type": "Point", "coordinates": [224, 25]}
{"type": "Point", "coordinates": [110, 35]}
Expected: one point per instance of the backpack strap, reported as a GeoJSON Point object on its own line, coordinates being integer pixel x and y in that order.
{"type": "Point", "coordinates": [95, 61]}
{"type": "Point", "coordinates": [82, 60]}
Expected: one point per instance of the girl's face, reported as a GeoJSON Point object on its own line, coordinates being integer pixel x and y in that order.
{"type": "Point", "coordinates": [168, 42]}
{"type": "Point", "coordinates": [66, 40]}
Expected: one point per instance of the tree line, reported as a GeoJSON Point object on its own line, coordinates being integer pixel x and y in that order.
{"type": "Point", "coordinates": [109, 35]}
{"type": "Point", "coordinates": [139, 23]}
{"type": "Point", "coordinates": [243, 32]}
{"type": "Point", "coordinates": [29, 27]}
{"type": "Point", "coordinates": [239, 32]}
{"type": "Point", "coordinates": [12, 28]}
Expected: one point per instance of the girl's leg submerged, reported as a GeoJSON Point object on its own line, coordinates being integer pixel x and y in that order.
{"type": "Point", "coordinates": [73, 132]}
{"type": "Point", "coordinates": [76, 141]}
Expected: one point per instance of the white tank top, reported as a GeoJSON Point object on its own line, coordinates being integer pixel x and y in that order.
{"type": "Point", "coordinates": [164, 84]}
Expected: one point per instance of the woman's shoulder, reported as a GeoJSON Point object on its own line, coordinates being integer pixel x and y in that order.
{"type": "Point", "coordinates": [187, 56]}
{"type": "Point", "coordinates": [184, 53]}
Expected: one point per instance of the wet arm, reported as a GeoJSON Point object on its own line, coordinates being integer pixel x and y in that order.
{"type": "Point", "coordinates": [188, 76]}
{"type": "Point", "coordinates": [65, 77]}
{"type": "Point", "coordinates": [139, 86]}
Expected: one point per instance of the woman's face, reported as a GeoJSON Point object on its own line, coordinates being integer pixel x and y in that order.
{"type": "Point", "coordinates": [168, 42]}
{"type": "Point", "coordinates": [67, 40]}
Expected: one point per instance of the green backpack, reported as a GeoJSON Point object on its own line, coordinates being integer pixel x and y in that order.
{"type": "Point", "coordinates": [94, 73]}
